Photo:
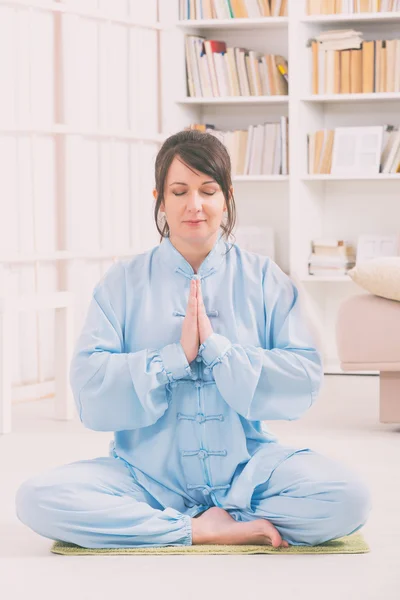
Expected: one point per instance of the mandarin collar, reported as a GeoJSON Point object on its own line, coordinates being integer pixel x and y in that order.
{"type": "Point", "coordinates": [175, 261]}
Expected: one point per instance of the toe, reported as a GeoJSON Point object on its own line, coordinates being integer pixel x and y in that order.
{"type": "Point", "coordinates": [276, 539]}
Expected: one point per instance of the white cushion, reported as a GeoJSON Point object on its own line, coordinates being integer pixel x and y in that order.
{"type": "Point", "coordinates": [380, 276]}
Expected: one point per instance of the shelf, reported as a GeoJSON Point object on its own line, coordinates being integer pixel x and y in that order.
{"type": "Point", "coordinates": [250, 178]}
{"type": "Point", "coordinates": [237, 100]}
{"type": "Point", "coordinates": [375, 97]}
{"type": "Point", "coordinates": [334, 368]}
{"type": "Point", "coordinates": [243, 24]}
{"type": "Point", "coordinates": [383, 17]}
{"type": "Point", "coordinates": [326, 279]}
{"type": "Point", "coordinates": [379, 177]}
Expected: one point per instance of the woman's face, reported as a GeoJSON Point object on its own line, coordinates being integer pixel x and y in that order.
{"type": "Point", "coordinates": [190, 195]}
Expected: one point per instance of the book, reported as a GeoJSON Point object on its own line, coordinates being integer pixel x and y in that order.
{"type": "Point", "coordinates": [356, 84]}
{"type": "Point", "coordinates": [262, 149]}
{"type": "Point", "coordinates": [345, 72]}
{"type": "Point", "coordinates": [331, 257]}
{"type": "Point", "coordinates": [231, 9]}
{"type": "Point", "coordinates": [320, 7]}
{"type": "Point", "coordinates": [213, 69]}
{"type": "Point", "coordinates": [211, 47]}
{"type": "Point", "coordinates": [342, 62]}
{"type": "Point", "coordinates": [357, 150]}
{"type": "Point", "coordinates": [354, 151]}
{"type": "Point", "coordinates": [368, 59]}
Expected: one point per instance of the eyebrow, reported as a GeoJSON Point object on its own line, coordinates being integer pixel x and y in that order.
{"type": "Point", "coordinates": [183, 183]}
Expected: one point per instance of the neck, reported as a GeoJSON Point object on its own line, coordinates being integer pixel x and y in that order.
{"type": "Point", "coordinates": [194, 253]}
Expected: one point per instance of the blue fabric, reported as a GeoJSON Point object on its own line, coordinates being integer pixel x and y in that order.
{"type": "Point", "coordinates": [98, 503]}
{"type": "Point", "coordinates": [191, 436]}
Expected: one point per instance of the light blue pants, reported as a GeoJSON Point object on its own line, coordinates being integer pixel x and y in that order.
{"type": "Point", "coordinates": [98, 504]}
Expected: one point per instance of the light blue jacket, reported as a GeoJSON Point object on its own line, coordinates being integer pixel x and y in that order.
{"type": "Point", "coordinates": [191, 432]}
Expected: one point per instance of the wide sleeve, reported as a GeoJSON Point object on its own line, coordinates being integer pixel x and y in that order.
{"type": "Point", "coordinates": [280, 382]}
{"type": "Point", "coordinates": [114, 390]}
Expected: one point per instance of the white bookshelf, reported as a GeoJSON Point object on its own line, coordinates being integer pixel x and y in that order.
{"type": "Point", "coordinates": [255, 178]}
{"type": "Point", "coordinates": [379, 177]}
{"type": "Point", "coordinates": [354, 19]}
{"type": "Point", "coordinates": [354, 98]}
{"type": "Point", "coordinates": [299, 207]}
{"type": "Point", "coordinates": [236, 100]}
{"type": "Point", "coordinates": [263, 23]}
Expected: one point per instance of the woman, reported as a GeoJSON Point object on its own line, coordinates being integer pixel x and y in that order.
{"type": "Point", "coordinates": [186, 349]}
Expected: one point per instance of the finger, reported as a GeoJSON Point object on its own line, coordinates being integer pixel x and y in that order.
{"type": "Point", "coordinates": [199, 294]}
{"type": "Point", "coordinates": [193, 299]}
{"type": "Point", "coordinates": [200, 303]}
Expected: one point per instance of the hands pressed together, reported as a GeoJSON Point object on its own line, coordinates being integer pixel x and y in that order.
{"type": "Point", "coordinates": [196, 327]}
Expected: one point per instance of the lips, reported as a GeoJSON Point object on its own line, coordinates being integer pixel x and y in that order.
{"type": "Point", "coordinates": [200, 221]}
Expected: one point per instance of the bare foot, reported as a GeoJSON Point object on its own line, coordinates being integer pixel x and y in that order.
{"type": "Point", "coordinates": [216, 526]}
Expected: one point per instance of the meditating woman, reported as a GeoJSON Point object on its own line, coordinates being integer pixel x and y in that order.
{"type": "Point", "coordinates": [185, 350]}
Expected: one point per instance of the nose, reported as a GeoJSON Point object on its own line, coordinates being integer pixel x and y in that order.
{"type": "Point", "coordinates": [194, 201]}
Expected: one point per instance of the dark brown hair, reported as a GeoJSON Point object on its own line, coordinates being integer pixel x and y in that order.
{"type": "Point", "coordinates": [203, 152]}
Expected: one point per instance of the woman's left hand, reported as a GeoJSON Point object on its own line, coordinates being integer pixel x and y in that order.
{"type": "Point", "coordinates": [205, 329]}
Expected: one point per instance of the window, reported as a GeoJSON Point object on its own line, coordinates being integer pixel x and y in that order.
{"type": "Point", "coordinates": [79, 132]}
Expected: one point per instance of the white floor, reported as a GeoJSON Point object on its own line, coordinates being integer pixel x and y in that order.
{"type": "Point", "coordinates": [342, 424]}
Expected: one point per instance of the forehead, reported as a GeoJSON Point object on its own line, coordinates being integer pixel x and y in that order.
{"type": "Point", "coordinates": [179, 171]}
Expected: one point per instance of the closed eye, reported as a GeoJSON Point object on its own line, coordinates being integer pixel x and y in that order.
{"type": "Point", "coordinates": [182, 193]}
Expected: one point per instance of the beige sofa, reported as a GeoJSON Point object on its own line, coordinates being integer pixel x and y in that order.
{"type": "Point", "coordinates": [368, 338]}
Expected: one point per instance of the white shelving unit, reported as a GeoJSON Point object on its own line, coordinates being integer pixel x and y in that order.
{"type": "Point", "coordinates": [236, 100]}
{"type": "Point", "coordinates": [380, 177]}
{"type": "Point", "coordinates": [340, 98]}
{"type": "Point", "coordinates": [354, 19]}
{"type": "Point", "coordinates": [300, 207]}
{"type": "Point", "coordinates": [248, 178]}
{"type": "Point", "coordinates": [263, 23]}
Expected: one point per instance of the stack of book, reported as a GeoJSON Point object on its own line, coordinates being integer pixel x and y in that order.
{"type": "Point", "coordinates": [213, 70]}
{"type": "Point", "coordinates": [331, 257]}
{"type": "Point", "coordinates": [232, 9]}
{"type": "Point", "coordinates": [259, 150]}
{"type": "Point", "coordinates": [335, 7]}
{"type": "Point", "coordinates": [342, 63]}
{"type": "Point", "coordinates": [354, 150]}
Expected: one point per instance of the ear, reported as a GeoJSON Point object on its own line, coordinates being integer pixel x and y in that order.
{"type": "Point", "coordinates": [162, 205]}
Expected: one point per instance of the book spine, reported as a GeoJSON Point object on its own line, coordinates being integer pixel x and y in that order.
{"type": "Point", "coordinates": [315, 66]}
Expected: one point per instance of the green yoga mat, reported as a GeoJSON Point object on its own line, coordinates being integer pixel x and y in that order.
{"type": "Point", "coordinates": [352, 544]}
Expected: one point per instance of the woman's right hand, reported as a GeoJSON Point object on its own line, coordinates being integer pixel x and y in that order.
{"type": "Point", "coordinates": [190, 330]}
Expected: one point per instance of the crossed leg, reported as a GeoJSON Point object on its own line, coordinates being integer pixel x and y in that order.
{"type": "Point", "coordinates": [310, 499]}
{"type": "Point", "coordinates": [97, 504]}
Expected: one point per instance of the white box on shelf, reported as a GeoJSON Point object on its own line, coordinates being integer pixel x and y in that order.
{"type": "Point", "coordinates": [375, 246]}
